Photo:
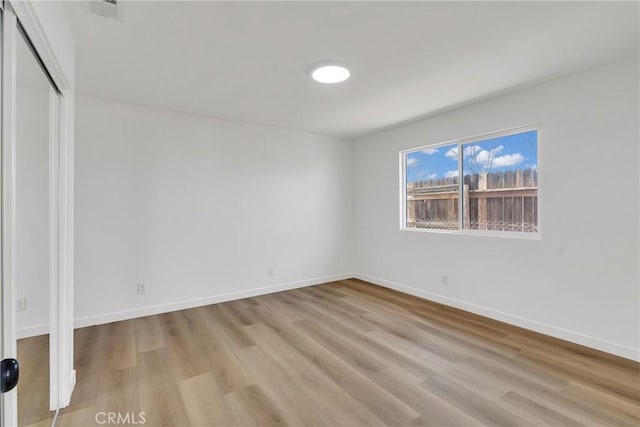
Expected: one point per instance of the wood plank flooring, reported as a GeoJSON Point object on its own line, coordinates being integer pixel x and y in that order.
{"type": "Point", "coordinates": [346, 353]}
{"type": "Point", "coordinates": [33, 387]}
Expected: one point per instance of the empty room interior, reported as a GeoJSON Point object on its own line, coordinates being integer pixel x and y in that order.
{"type": "Point", "coordinates": [301, 213]}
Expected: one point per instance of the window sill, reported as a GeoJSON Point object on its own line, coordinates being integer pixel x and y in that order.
{"type": "Point", "coordinates": [499, 234]}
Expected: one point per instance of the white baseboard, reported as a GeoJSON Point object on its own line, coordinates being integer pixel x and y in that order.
{"type": "Point", "coordinates": [197, 302]}
{"type": "Point", "coordinates": [32, 331]}
{"type": "Point", "coordinates": [554, 331]}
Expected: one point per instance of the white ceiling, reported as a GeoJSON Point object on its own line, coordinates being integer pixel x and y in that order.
{"type": "Point", "coordinates": [248, 60]}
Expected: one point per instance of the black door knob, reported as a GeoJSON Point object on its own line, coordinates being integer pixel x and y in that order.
{"type": "Point", "coordinates": [9, 374]}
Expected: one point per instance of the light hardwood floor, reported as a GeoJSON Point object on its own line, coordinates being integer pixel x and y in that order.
{"type": "Point", "coordinates": [33, 387]}
{"type": "Point", "coordinates": [345, 353]}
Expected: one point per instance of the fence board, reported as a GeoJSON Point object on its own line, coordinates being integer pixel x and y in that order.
{"type": "Point", "coordinates": [518, 179]}
{"type": "Point", "coordinates": [529, 209]}
{"type": "Point", "coordinates": [495, 200]}
{"type": "Point", "coordinates": [517, 212]}
{"type": "Point", "coordinates": [508, 212]}
{"type": "Point", "coordinates": [528, 178]}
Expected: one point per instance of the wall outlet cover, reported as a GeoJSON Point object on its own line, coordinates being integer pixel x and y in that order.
{"type": "Point", "coordinates": [21, 304]}
{"type": "Point", "coordinates": [141, 288]}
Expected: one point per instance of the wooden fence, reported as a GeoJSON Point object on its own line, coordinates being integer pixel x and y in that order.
{"type": "Point", "coordinates": [506, 201]}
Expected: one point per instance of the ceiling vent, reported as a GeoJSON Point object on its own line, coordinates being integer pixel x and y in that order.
{"type": "Point", "coordinates": [104, 8]}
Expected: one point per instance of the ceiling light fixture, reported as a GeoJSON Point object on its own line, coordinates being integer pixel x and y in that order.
{"type": "Point", "coordinates": [330, 73]}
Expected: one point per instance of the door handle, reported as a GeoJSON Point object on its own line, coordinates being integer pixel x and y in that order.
{"type": "Point", "coordinates": [9, 374]}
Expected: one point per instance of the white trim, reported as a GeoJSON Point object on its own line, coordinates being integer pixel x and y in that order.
{"type": "Point", "coordinates": [460, 187]}
{"type": "Point", "coordinates": [478, 137]}
{"type": "Point", "coordinates": [554, 331]}
{"type": "Point", "coordinates": [54, 249]}
{"type": "Point", "coordinates": [481, 233]}
{"type": "Point", "coordinates": [35, 330]}
{"type": "Point", "coordinates": [9, 413]}
{"type": "Point", "coordinates": [403, 190]}
{"type": "Point", "coordinates": [197, 302]}
{"type": "Point", "coordinates": [65, 245]}
{"type": "Point", "coordinates": [533, 325]}
{"type": "Point", "coordinates": [540, 173]}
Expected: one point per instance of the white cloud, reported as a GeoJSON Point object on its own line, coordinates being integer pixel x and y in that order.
{"type": "Point", "coordinates": [451, 174]}
{"type": "Point", "coordinates": [412, 161]}
{"type": "Point", "coordinates": [484, 157]}
{"type": "Point", "coordinates": [432, 176]}
{"type": "Point", "coordinates": [472, 149]}
{"type": "Point", "coordinates": [490, 158]}
{"type": "Point", "coordinates": [430, 151]}
{"type": "Point", "coordinates": [508, 160]}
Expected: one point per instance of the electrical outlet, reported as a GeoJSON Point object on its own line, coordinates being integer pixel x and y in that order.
{"type": "Point", "coordinates": [21, 304]}
{"type": "Point", "coordinates": [142, 288]}
{"type": "Point", "coordinates": [444, 279]}
{"type": "Point", "coordinates": [269, 271]}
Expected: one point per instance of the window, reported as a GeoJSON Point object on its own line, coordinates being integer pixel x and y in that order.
{"type": "Point", "coordinates": [498, 192]}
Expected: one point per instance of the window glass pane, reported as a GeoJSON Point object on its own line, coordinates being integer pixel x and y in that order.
{"type": "Point", "coordinates": [500, 188]}
{"type": "Point", "coordinates": [432, 188]}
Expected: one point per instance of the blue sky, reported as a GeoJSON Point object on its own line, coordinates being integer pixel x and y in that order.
{"type": "Point", "coordinates": [512, 152]}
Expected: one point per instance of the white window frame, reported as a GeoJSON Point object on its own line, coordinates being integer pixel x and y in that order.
{"type": "Point", "coordinates": [460, 142]}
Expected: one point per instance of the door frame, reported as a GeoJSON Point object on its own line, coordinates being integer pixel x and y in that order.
{"type": "Point", "coordinates": [61, 190]}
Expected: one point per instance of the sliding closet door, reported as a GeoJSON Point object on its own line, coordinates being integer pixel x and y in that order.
{"type": "Point", "coordinates": [35, 238]}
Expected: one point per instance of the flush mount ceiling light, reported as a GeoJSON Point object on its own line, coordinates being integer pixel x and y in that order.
{"type": "Point", "coordinates": [330, 73]}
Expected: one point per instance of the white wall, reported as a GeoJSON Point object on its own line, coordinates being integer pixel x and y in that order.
{"type": "Point", "coordinates": [32, 208]}
{"type": "Point", "coordinates": [580, 281]}
{"type": "Point", "coordinates": [198, 208]}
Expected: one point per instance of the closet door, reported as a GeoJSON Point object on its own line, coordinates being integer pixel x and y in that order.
{"type": "Point", "coordinates": [36, 156]}
{"type": "Point", "coordinates": [30, 185]}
